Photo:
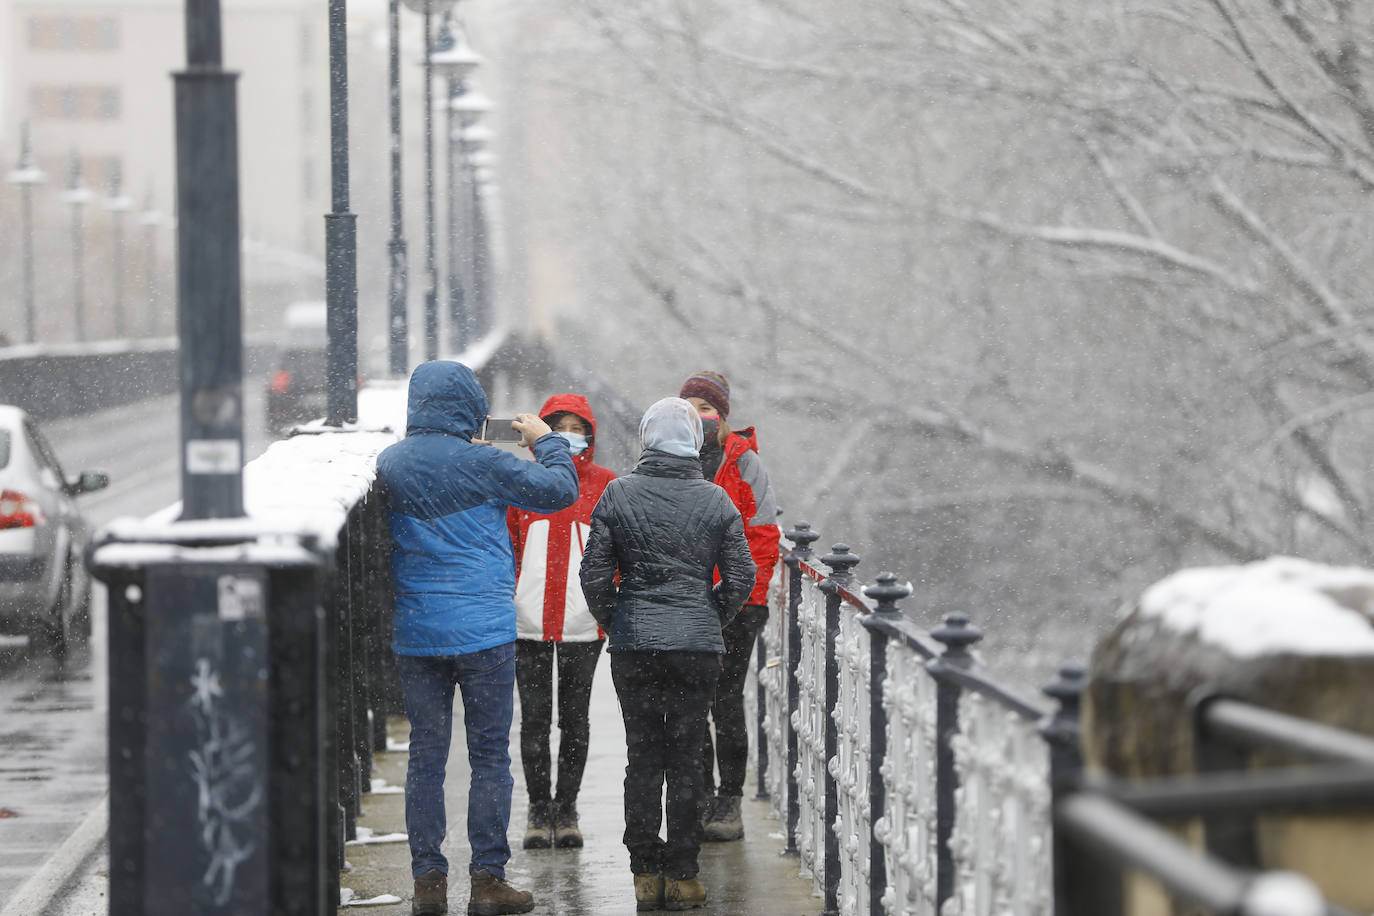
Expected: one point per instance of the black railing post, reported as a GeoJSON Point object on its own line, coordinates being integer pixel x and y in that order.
{"type": "Point", "coordinates": [801, 537]}
{"type": "Point", "coordinates": [887, 593]}
{"type": "Point", "coordinates": [1230, 837]}
{"type": "Point", "coordinates": [957, 635]}
{"type": "Point", "coordinates": [760, 704]}
{"type": "Point", "coordinates": [840, 562]}
{"type": "Point", "coordinates": [1084, 885]}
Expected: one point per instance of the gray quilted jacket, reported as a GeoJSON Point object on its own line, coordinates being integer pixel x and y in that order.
{"type": "Point", "coordinates": [664, 530]}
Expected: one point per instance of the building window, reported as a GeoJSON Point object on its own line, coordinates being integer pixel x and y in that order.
{"type": "Point", "coordinates": [67, 33]}
{"type": "Point", "coordinates": [76, 103]}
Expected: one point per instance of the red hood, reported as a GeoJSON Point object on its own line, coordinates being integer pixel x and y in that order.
{"type": "Point", "coordinates": [572, 403]}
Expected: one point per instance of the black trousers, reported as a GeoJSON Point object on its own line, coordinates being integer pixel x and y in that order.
{"type": "Point", "coordinates": [663, 698]}
{"type": "Point", "coordinates": [535, 661]}
{"type": "Point", "coordinates": [731, 749]}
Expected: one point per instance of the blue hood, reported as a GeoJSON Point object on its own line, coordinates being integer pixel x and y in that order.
{"type": "Point", "coordinates": [445, 397]}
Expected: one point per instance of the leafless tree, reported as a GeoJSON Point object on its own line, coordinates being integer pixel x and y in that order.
{"type": "Point", "coordinates": [1034, 300]}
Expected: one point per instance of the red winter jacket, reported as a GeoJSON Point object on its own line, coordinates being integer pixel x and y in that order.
{"type": "Point", "coordinates": [742, 475]}
{"type": "Point", "coordinates": [548, 549]}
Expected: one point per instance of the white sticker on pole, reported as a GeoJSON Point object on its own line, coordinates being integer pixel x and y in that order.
{"type": "Point", "coordinates": [240, 598]}
{"type": "Point", "coordinates": [213, 456]}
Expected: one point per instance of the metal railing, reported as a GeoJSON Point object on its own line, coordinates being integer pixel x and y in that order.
{"type": "Point", "coordinates": [909, 781]}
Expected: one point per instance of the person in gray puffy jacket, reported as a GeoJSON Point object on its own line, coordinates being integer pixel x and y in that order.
{"type": "Point", "coordinates": [663, 530]}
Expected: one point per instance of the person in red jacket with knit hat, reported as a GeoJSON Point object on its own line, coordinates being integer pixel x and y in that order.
{"type": "Point", "coordinates": [555, 630]}
{"type": "Point", "coordinates": [730, 459]}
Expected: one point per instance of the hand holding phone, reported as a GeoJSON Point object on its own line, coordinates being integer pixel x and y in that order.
{"type": "Point", "coordinates": [499, 429]}
{"type": "Point", "coordinates": [531, 428]}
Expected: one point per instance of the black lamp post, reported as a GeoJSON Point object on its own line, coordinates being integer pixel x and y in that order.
{"type": "Point", "coordinates": [77, 196]}
{"type": "Point", "coordinates": [472, 142]}
{"type": "Point", "coordinates": [117, 204]}
{"type": "Point", "coordinates": [455, 59]}
{"type": "Point", "coordinates": [398, 358]}
{"type": "Point", "coordinates": [341, 274]}
{"type": "Point", "coordinates": [209, 279]}
{"type": "Point", "coordinates": [26, 176]}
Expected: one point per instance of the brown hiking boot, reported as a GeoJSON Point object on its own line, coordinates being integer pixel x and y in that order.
{"type": "Point", "coordinates": [648, 892]}
{"type": "Point", "coordinates": [683, 894]}
{"type": "Point", "coordinates": [566, 834]}
{"type": "Point", "coordinates": [431, 894]}
{"type": "Point", "coordinates": [726, 823]}
{"type": "Point", "coordinates": [539, 828]}
{"type": "Point", "coordinates": [492, 896]}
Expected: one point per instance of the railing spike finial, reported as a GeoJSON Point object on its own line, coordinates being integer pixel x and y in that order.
{"type": "Point", "coordinates": [957, 635]}
{"type": "Point", "coordinates": [887, 592]}
{"type": "Point", "coordinates": [802, 537]}
{"type": "Point", "coordinates": [1066, 690]}
{"type": "Point", "coordinates": [841, 563]}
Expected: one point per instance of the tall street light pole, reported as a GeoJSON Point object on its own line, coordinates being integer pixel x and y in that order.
{"type": "Point", "coordinates": [453, 58]}
{"type": "Point", "coordinates": [26, 176]}
{"type": "Point", "coordinates": [118, 204]}
{"type": "Point", "coordinates": [428, 9]}
{"type": "Point", "coordinates": [398, 357]}
{"type": "Point", "coordinates": [472, 137]}
{"type": "Point", "coordinates": [341, 273]}
{"type": "Point", "coordinates": [77, 196]}
{"type": "Point", "coordinates": [208, 273]}
{"type": "Point", "coordinates": [431, 261]}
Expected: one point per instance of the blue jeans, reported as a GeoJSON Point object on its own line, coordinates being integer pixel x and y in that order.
{"type": "Point", "coordinates": [487, 682]}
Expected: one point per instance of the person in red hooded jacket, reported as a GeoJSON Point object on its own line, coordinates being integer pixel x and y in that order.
{"type": "Point", "coordinates": [730, 459]}
{"type": "Point", "coordinates": [555, 630]}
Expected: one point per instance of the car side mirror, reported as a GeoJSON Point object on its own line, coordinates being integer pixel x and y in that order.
{"type": "Point", "coordinates": [89, 481]}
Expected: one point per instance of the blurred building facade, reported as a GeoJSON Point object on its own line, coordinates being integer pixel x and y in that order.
{"type": "Point", "coordinates": [92, 78]}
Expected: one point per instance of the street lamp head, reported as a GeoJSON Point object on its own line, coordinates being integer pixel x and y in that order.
{"type": "Point", "coordinates": [453, 59]}
{"type": "Point", "coordinates": [434, 6]}
{"type": "Point", "coordinates": [25, 173]}
{"type": "Point", "coordinates": [474, 137]}
{"type": "Point", "coordinates": [77, 193]}
{"type": "Point", "coordinates": [471, 105]}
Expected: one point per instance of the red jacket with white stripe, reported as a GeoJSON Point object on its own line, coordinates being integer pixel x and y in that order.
{"type": "Point", "coordinates": [548, 549]}
{"type": "Point", "coordinates": [742, 475]}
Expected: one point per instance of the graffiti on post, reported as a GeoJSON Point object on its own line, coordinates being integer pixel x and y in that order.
{"type": "Point", "coordinates": [229, 783]}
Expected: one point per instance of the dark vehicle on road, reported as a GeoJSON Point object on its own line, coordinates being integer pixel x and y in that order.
{"type": "Point", "coordinates": [44, 587]}
{"type": "Point", "coordinates": [298, 390]}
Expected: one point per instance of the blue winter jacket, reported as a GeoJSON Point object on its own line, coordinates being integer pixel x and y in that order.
{"type": "Point", "coordinates": [451, 559]}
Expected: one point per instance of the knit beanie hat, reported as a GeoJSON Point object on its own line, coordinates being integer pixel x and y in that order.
{"type": "Point", "coordinates": [711, 387]}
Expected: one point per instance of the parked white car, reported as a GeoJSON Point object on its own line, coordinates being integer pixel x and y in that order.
{"type": "Point", "coordinates": [44, 587]}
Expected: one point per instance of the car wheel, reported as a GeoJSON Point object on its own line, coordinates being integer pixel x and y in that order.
{"type": "Point", "coordinates": [55, 631]}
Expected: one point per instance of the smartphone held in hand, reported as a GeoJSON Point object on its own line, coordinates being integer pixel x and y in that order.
{"type": "Point", "coordinates": [498, 429]}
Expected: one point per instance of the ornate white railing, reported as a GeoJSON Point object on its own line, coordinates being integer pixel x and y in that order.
{"type": "Point", "coordinates": [773, 677]}
{"type": "Point", "coordinates": [907, 826]}
{"type": "Point", "coordinates": [850, 765]}
{"type": "Point", "coordinates": [1002, 833]}
{"type": "Point", "coordinates": [809, 722]}
{"type": "Point", "coordinates": [956, 753]}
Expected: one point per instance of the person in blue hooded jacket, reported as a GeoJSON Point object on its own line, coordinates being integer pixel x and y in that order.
{"type": "Point", "coordinates": [454, 625]}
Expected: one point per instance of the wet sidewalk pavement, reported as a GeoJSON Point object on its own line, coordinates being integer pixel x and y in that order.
{"type": "Point", "coordinates": [742, 878]}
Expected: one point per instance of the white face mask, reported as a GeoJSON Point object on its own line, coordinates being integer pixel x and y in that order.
{"type": "Point", "coordinates": [577, 443]}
